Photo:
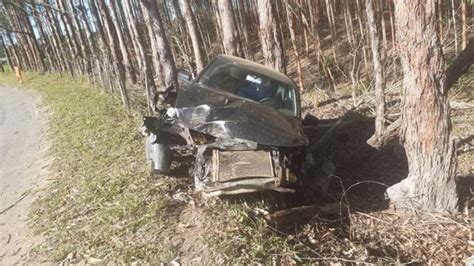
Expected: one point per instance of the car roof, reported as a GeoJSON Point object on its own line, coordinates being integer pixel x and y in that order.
{"type": "Point", "coordinates": [258, 68]}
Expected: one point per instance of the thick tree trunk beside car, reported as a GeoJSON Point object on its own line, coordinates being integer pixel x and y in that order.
{"type": "Point", "coordinates": [163, 61]}
{"type": "Point", "coordinates": [272, 47]}
{"type": "Point", "coordinates": [193, 31]}
{"type": "Point", "coordinates": [425, 130]}
{"type": "Point", "coordinates": [230, 34]}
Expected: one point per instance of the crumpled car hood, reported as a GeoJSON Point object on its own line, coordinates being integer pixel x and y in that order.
{"type": "Point", "coordinates": [225, 115]}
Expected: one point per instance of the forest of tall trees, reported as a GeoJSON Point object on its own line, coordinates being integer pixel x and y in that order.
{"type": "Point", "coordinates": [129, 44]}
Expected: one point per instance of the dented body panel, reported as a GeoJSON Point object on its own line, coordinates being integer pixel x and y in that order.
{"type": "Point", "coordinates": [224, 115]}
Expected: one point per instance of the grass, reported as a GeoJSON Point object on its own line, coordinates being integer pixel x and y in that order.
{"type": "Point", "coordinates": [243, 236]}
{"type": "Point", "coordinates": [100, 202]}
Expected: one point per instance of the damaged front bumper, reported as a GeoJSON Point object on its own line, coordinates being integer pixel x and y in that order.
{"type": "Point", "coordinates": [221, 166]}
{"type": "Point", "coordinates": [235, 172]}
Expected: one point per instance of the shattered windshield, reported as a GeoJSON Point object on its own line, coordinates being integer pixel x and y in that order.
{"type": "Point", "coordinates": [251, 85]}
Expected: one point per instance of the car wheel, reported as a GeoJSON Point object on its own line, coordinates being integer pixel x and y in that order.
{"type": "Point", "coordinates": [159, 156]}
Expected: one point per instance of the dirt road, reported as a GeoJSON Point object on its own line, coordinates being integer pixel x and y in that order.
{"type": "Point", "coordinates": [22, 168]}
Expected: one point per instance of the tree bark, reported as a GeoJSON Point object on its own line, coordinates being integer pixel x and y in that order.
{"type": "Point", "coordinates": [392, 26]}
{"type": "Point", "coordinates": [150, 87]}
{"type": "Point", "coordinates": [7, 53]}
{"type": "Point", "coordinates": [118, 66]}
{"type": "Point", "coordinates": [230, 34]}
{"type": "Point", "coordinates": [244, 37]}
{"type": "Point", "coordinates": [103, 52]}
{"type": "Point", "coordinates": [48, 49]}
{"type": "Point", "coordinates": [425, 130]}
{"type": "Point", "coordinates": [455, 26]}
{"type": "Point", "coordinates": [378, 70]}
{"type": "Point", "coordinates": [382, 23]}
{"type": "Point", "coordinates": [71, 12]}
{"type": "Point", "coordinates": [70, 36]}
{"type": "Point", "coordinates": [464, 22]}
{"type": "Point", "coordinates": [440, 18]}
{"type": "Point", "coordinates": [362, 33]}
{"type": "Point", "coordinates": [272, 48]}
{"type": "Point", "coordinates": [89, 37]}
{"type": "Point", "coordinates": [332, 26]}
{"type": "Point", "coordinates": [36, 49]}
{"type": "Point", "coordinates": [121, 41]}
{"type": "Point", "coordinates": [194, 34]}
{"type": "Point", "coordinates": [58, 39]}
{"type": "Point", "coordinates": [290, 18]}
{"type": "Point", "coordinates": [165, 68]}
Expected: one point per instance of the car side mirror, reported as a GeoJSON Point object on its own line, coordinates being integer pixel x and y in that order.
{"type": "Point", "coordinates": [184, 76]}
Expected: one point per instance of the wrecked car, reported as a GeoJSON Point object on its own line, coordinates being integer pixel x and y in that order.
{"type": "Point", "coordinates": [241, 122]}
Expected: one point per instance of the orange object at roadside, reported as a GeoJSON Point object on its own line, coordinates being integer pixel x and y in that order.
{"type": "Point", "coordinates": [18, 75]}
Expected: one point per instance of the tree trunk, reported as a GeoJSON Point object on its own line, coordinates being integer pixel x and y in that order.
{"type": "Point", "coordinates": [74, 18]}
{"type": "Point", "coordinates": [70, 37]}
{"type": "Point", "coordinates": [230, 35]}
{"type": "Point", "coordinates": [392, 26]}
{"type": "Point", "coordinates": [320, 60]}
{"type": "Point", "coordinates": [102, 61]}
{"type": "Point", "coordinates": [313, 7]}
{"type": "Point", "coordinates": [378, 70]}
{"type": "Point", "coordinates": [362, 34]}
{"type": "Point", "coordinates": [440, 18]}
{"type": "Point", "coordinates": [455, 26]}
{"type": "Point", "coordinates": [118, 67]}
{"type": "Point", "coordinates": [332, 26]}
{"type": "Point", "coordinates": [121, 41]}
{"type": "Point", "coordinates": [58, 39]}
{"type": "Point", "coordinates": [33, 42]}
{"type": "Point", "coordinates": [16, 57]}
{"type": "Point", "coordinates": [272, 48]}
{"type": "Point", "coordinates": [48, 51]}
{"type": "Point", "coordinates": [464, 24]}
{"type": "Point", "coordinates": [347, 21]}
{"type": "Point", "coordinates": [425, 130]}
{"type": "Point", "coordinates": [150, 87]}
{"type": "Point", "coordinates": [7, 53]}
{"type": "Point", "coordinates": [291, 17]}
{"type": "Point", "coordinates": [382, 23]}
{"type": "Point", "coordinates": [244, 38]}
{"type": "Point", "coordinates": [165, 68]}
{"type": "Point", "coordinates": [89, 37]}
{"type": "Point", "coordinates": [194, 34]}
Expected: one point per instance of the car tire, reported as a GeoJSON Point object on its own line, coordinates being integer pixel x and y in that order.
{"type": "Point", "coordinates": [159, 157]}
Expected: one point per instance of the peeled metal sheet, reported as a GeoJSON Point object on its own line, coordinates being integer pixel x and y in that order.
{"type": "Point", "coordinates": [225, 115]}
{"type": "Point", "coordinates": [232, 165]}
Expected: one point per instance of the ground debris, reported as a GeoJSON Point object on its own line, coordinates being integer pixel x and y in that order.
{"type": "Point", "coordinates": [304, 213]}
{"type": "Point", "coordinates": [403, 236]}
